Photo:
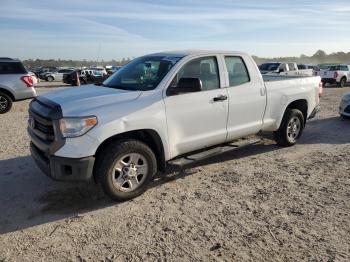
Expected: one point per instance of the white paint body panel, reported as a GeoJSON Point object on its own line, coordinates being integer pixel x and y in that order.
{"type": "Point", "coordinates": [185, 122]}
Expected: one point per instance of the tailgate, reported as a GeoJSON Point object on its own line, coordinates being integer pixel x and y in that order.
{"type": "Point", "coordinates": [327, 74]}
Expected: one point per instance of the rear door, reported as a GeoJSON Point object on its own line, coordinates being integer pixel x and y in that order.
{"type": "Point", "coordinates": [247, 97]}
{"type": "Point", "coordinates": [195, 120]}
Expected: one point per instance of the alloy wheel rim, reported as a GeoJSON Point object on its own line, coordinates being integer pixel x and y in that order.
{"type": "Point", "coordinates": [129, 172]}
{"type": "Point", "coordinates": [3, 103]}
{"type": "Point", "coordinates": [293, 129]}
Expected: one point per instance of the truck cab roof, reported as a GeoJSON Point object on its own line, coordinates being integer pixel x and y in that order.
{"type": "Point", "coordinates": [183, 53]}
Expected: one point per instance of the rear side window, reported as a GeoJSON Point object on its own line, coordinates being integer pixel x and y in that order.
{"type": "Point", "coordinates": [237, 70]}
{"type": "Point", "coordinates": [12, 68]}
{"type": "Point", "coordinates": [291, 67]}
{"type": "Point", "coordinates": [339, 68]}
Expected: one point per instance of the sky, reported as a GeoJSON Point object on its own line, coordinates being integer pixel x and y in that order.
{"type": "Point", "coordinates": [115, 29]}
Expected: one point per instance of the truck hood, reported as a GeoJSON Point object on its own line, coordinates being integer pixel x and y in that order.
{"type": "Point", "coordinates": [78, 101]}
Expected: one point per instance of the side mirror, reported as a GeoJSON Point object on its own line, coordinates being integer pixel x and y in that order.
{"type": "Point", "coordinates": [187, 85]}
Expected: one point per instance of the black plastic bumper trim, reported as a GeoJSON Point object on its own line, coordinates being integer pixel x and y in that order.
{"type": "Point", "coordinates": [62, 168]}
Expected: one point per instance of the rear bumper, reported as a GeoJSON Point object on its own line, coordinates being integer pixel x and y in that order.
{"type": "Point", "coordinates": [25, 93]}
{"type": "Point", "coordinates": [62, 168]}
{"type": "Point", "coordinates": [314, 112]}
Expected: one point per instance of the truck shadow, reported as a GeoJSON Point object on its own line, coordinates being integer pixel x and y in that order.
{"type": "Point", "coordinates": [28, 198]}
{"type": "Point", "coordinates": [333, 130]}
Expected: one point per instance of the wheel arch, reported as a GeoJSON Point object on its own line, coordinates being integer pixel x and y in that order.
{"type": "Point", "coordinates": [344, 77]}
{"type": "Point", "coordinates": [148, 136]}
{"type": "Point", "coordinates": [7, 92]}
{"type": "Point", "coordinates": [300, 104]}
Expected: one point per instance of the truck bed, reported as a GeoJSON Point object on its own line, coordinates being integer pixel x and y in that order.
{"type": "Point", "coordinates": [281, 90]}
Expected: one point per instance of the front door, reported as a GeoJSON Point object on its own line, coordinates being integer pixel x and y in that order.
{"type": "Point", "coordinates": [197, 120]}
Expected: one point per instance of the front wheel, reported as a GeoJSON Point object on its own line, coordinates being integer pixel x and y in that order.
{"type": "Point", "coordinates": [50, 79]}
{"type": "Point", "coordinates": [5, 103]}
{"type": "Point", "coordinates": [125, 168]}
{"type": "Point", "coordinates": [291, 128]}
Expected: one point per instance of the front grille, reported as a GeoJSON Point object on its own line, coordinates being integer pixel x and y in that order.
{"type": "Point", "coordinates": [42, 127]}
{"type": "Point", "coordinates": [44, 116]}
{"type": "Point", "coordinates": [45, 128]}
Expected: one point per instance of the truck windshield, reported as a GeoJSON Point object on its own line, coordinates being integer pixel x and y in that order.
{"type": "Point", "coordinates": [269, 66]}
{"type": "Point", "coordinates": [143, 73]}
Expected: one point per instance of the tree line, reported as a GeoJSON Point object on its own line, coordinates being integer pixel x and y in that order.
{"type": "Point", "coordinates": [36, 63]}
{"type": "Point", "coordinates": [320, 57]}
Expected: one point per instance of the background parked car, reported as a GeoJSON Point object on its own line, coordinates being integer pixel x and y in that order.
{"type": "Point", "coordinates": [86, 76]}
{"type": "Point", "coordinates": [315, 69]}
{"type": "Point", "coordinates": [337, 74]}
{"type": "Point", "coordinates": [277, 68]}
{"type": "Point", "coordinates": [41, 73]}
{"type": "Point", "coordinates": [58, 75]}
{"type": "Point", "coordinates": [113, 69]}
{"type": "Point", "coordinates": [15, 83]}
{"type": "Point", "coordinates": [100, 69]}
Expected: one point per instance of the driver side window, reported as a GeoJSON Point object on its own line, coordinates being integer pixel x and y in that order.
{"type": "Point", "coordinates": [204, 68]}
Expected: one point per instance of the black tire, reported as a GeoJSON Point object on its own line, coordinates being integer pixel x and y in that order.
{"type": "Point", "coordinates": [107, 159]}
{"type": "Point", "coordinates": [345, 117]}
{"type": "Point", "coordinates": [5, 103]}
{"type": "Point", "coordinates": [342, 82]}
{"type": "Point", "coordinates": [282, 136]}
{"type": "Point", "coordinates": [50, 78]}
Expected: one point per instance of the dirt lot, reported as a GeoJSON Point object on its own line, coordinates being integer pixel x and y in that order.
{"type": "Point", "coordinates": [260, 203]}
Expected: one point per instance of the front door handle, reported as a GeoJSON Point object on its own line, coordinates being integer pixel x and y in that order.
{"type": "Point", "coordinates": [220, 98]}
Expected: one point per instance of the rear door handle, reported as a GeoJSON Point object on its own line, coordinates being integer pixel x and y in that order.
{"type": "Point", "coordinates": [220, 98]}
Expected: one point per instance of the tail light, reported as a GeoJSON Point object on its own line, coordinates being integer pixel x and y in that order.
{"type": "Point", "coordinates": [320, 89]}
{"type": "Point", "coordinates": [335, 75]}
{"type": "Point", "coordinates": [27, 80]}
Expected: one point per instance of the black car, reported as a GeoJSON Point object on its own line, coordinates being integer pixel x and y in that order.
{"type": "Point", "coordinates": [85, 77]}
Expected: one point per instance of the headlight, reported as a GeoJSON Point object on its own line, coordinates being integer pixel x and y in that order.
{"type": "Point", "coordinates": [76, 126]}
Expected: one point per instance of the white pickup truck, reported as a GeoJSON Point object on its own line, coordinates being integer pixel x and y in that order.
{"type": "Point", "coordinates": [336, 74]}
{"type": "Point", "coordinates": [159, 108]}
{"type": "Point", "coordinates": [287, 69]}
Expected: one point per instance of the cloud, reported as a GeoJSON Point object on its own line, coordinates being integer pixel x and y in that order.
{"type": "Point", "coordinates": [74, 28]}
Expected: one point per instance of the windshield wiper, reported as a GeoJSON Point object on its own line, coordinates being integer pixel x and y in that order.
{"type": "Point", "coordinates": [119, 87]}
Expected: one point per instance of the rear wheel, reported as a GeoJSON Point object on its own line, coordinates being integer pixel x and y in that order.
{"type": "Point", "coordinates": [50, 78]}
{"type": "Point", "coordinates": [125, 168]}
{"type": "Point", "coordinates": [291, 128]}
{"type": "Point", "coordinates": [5, 103]}
{"type": "Point", "coordinates": [342, 82]}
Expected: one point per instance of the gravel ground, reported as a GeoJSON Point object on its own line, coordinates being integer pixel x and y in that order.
{"type": "Point", "coordinates": [260, 203]}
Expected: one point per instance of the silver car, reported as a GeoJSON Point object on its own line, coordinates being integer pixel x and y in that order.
{"type": "Point", "coordinates": [15, 83]}
{"type": "Point", "coordinates": [344, 107]}
{"type": "Point", "coordinates": [58, 75]}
